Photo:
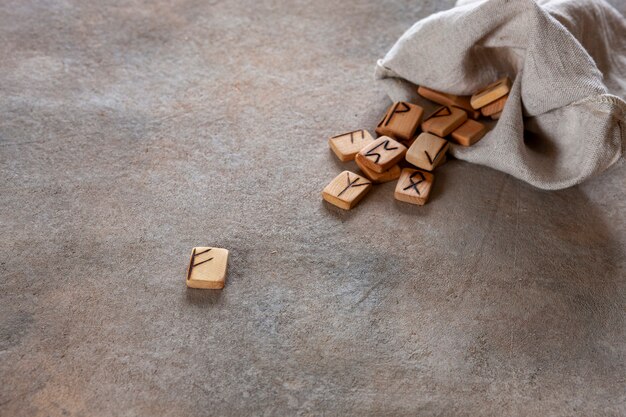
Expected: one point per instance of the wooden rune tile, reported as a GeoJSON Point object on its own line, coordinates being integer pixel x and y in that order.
{"type": "Point", "coordinates": [427, 152]}
{"type": "Point", "coordinates": [346, 145]}
{"type": "Point", "coordinates": [444, 122]}
{"type": "Point", "coordinates": [495, 107]}
{"type": "Point", "coordinates": [468, 133]}
{"type": "Point", "coordinates": [391, 174]}
{"type": "Point", "coordinates": [491, 93]}
{"type": "Point", "coordinates": [346, 190]}
{"type": "Point", "coordinates": [448, 100]}
{"type": "Point", "coordinates": [382, 154]}
{"type": "Point", "coordinates": [414, 186]}
{"type": "Point", "coordinates": [400, 121]}
{"type": "Point", "coordinates": [207, 268]}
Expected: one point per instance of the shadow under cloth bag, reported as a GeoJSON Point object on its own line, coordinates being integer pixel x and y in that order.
{"type": "Point", "coordinates": [565, 118]}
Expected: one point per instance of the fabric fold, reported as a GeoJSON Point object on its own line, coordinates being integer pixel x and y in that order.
{"type": "Point", "coordinates": [564, 120]}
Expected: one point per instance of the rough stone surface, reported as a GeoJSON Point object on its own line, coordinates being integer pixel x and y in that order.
{"type": "Point", "coordinates": [132, 131]}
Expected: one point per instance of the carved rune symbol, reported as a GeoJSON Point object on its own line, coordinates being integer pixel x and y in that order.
{"type": "Point", "coordinates": [443, 112]}
{"type": "Point", "coordinates": [385, 145]}
{"type": "Point", "coordinates": [431, 160]}
{"type": "Point", "coordinates": [405, 108]}
{"type": "Point", "coordinates": [352, 183]}
{"type": "Point", "coordinates": [415, 184]}
{"type": "Point", "coordinates": [193, 257]}
{"type": "Point", "coordinates": [351, 135]}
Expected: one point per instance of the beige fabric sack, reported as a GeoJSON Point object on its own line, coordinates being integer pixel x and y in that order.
{"type": "Point", "coordinates": [565, 119]}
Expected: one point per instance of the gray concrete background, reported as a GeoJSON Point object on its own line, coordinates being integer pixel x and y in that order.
{"type": "Point", "coordinates": [132, 131]}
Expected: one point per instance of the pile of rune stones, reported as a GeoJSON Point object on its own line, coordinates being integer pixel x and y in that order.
{"type": "Point", "coordinates": [417, 134]}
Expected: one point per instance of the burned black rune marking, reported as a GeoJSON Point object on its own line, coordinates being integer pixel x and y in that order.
{"type": "Point", "coordinates": [193, 258]}
{"type": "Point", "coordinates": [432, 160]}
{"type": "Point", "coordinates": [443, 112]}
{"type": "Point", "coordinates": [200, 263]}
{"type": "Point", "coordinates": [351, 135]}
{"type": "Point", "coordinates": [352, 184]}
{"type": "Point", "coordinates": [389, 116]}
{"type": "Point", "coordinates": [415, 184]}
{"type": "Point", "coordinates": [376, 154]}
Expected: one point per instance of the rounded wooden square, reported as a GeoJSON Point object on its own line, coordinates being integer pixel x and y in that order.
{"type": "Point", "coordinates": [346, 190]}
{"type": "Point", "coordinates": [427, 151]}
{"type": "Point", "coordinates": [346, 145]}
{"type": "Point", "coordinates": [491, 93]}
{"type": "Point", "coordinates": [207, 268]}
{"type": "Point", "coordinates": [444, 122]}
{"type": "Point", "coordinates": [382, 154]}
{"type": "Point", "coordinates": [469, 133]}
{"type": "Point", "coordinates": [401, 121]}
{"type": "Point", "coordinates": [414, 186]}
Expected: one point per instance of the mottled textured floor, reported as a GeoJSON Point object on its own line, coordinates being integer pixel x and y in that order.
{"type": "Point", "coordinates": [132, 131]}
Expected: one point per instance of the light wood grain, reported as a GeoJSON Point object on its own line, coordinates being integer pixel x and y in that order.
{"type": "Point", "coordinates": [400, 121]}
{"type": "Point", "coordinates": [391, 174]}
{"type": "Point", "coordinates": [427, 152]}
{"type": "Point", "coordinates": [346, 145]}
{"type": "Point", "coordinates": [491, 93]}
{"type": "Point", "coordinates": [414, 186]}
{"type": "Point", "coordinates": [444, 122]}
{"type": "Point", "coordinates": [468, 133]}
{"type": "Point", "coordinates": [346, 190]}
{"type": "Point", "coordinates": [495, 107]}
{"type": "Point", "coordinates": [207, 268]}
{"type": "Point", "coordinates": [382, 154]}
{"type": "Point", "coordinates": [448, 100]}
